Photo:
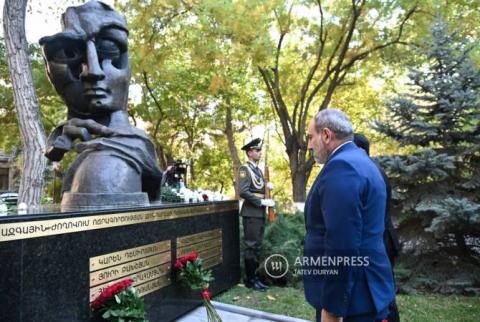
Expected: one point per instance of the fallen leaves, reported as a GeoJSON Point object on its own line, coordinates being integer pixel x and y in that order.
{"type": "Point", "coordinates": [271, 298]}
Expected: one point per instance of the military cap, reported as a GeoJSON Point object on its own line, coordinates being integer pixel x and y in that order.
{"type": "Point", "coordinates": [254, 144]}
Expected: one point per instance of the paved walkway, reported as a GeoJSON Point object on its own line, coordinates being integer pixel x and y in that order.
{"type": "Point", "coordinates": [233, 313]}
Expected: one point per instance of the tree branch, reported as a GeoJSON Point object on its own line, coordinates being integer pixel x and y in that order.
{"type": "Point", "coordinates": [334, 82]}
{"type": "Point", "coordinates": [157, 104]}
{"type": "Point", "coordinates": [164, 21]}
{"type": "Point", "coordinates": [322, 39]}
{"type": "Point", "coordinates": [278, 103]}
{"type": "Point", "coordinates": [328, 71]}
{"type": "Point", "coordinates": [396, 40]}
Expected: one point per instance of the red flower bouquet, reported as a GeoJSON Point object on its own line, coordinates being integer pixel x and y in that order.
{"type": "Point", "coordinates": [119, 302]}
{"type": "Point", "coordinates": [197, 278]}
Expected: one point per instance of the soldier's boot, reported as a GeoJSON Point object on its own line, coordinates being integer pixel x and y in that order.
{"type": "Point", "coordinates": [250, 279]}
{"type": "Point", "coordinates": [259, 282]}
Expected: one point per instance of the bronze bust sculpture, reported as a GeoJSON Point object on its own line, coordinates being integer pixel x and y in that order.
{"type": "Point", "coordinates": [87, 63]}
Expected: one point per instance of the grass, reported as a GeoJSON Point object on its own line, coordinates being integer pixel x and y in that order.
{"type": "Point", "coordinates": [280, 300]}
{"type": "Point", "coordinates": [439, 308]}
{"type": "Point", "coordinates": [423, 307]}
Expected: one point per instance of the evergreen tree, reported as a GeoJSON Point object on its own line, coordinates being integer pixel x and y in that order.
{"type": "Point", "coordinates": [436, 186]}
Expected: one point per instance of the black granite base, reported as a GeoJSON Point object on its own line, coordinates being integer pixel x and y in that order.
{"type": "Point", "coordinates": [45, 276]}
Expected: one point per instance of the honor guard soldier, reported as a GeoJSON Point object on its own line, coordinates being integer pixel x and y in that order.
{"type": "Point", "coordinates": [252, 190]}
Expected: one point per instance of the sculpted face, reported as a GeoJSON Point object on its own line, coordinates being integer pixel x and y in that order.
{"type": "Point", "coordinates": [88, 62]}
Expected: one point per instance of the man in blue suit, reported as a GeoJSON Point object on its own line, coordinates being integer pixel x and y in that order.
{"type": "Point", "coordinates": [347, 273]}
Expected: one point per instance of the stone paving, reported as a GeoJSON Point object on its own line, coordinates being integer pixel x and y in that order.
{"type": "Point", "coordinates": [233, 313]}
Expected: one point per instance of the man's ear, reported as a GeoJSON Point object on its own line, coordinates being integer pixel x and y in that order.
{"type": "Point", "coordinates": [327, 135]}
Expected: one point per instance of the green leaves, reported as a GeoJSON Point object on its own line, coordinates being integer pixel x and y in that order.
{"type": "Point", "coordinates": [452, 214]}
{"type": "Point", "coordinates": [169, 195]}
{"type": "Point", "coordinates": [439, 119]}
{"type": "Point", "coordinates": [125, 306]}
{"type": "Point", "coordinates": [194, 276]}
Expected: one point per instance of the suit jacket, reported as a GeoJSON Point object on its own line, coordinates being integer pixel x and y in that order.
{"type": "Point", "coordinates": [344, 217]}
{"type": "Point", "coordinates": [251, 194]}
{"type": "Point", "coordinates": [390, 237]}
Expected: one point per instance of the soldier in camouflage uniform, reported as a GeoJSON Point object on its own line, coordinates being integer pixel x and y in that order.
{"type": "Point", "coordinates": [252, 191]}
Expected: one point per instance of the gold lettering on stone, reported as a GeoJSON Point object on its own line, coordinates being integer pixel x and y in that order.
{"type": "Point", "coordinates": [207, 244]}
{"type": "Point", "coordinates": [49, 227]}
{"type": "Point", "coordinates": [127, 269]}
{"type": "Point", "coordinates": [214, 243]}
{"type": "Point", "coordinates": [127, 255]}
{"type": "Point", "coordinates": [149, 287]}
{"type": "Point", "coordinates": [161, 273]}
{"type": "Point", "coordinates": [151, 274]}
{"type": "Point", "coordinates": [200, 237]}
{"type": "Point", "coordinates": [148, 265]}
{"type": "Point", "coordinates": [214, 261]}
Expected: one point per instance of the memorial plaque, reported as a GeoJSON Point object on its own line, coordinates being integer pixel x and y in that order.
{"type": "Point", "coordinates": [200, 237]}
{"type": "Point", "coordinates": [207, 244]}
{"type": "Point", "coordinates": [128, 255]}
{"type": "Point", "coordinates": [149, 266]}
{"type": "Point", "coordinates": [159, 273]}
{"type": "Point", "coordinates": [152, 286]}
{"type": "Point", "coordinates": [199, 247]}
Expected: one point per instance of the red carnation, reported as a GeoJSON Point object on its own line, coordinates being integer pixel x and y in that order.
{"type": "Point", "coordinates": [192, 256]}
{"type": "Point", "coordinates": [178, 264]}
{"type": "Point", "coordinates": [195, 274]}
{"type": "Point", "coordinates": [110, 292]}
{"type": "Point", "coordinates": [182, 259]}
{"type": "Point", "coordinates": [206, 294]}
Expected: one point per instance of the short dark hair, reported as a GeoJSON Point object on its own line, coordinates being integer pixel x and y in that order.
{"type": "Point", "coordinates": [362, 142]}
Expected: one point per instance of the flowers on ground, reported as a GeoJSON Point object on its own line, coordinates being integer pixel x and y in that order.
{"type": "Point", "coordinates": [197, 278]}
{"type": "Point", "coordinates": [119, 302]}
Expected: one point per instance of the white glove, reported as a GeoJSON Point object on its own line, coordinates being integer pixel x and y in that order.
{"type": "Point", "coordinates": [268, 202]}
{"type": "Point", "coordinates": [270, 186]}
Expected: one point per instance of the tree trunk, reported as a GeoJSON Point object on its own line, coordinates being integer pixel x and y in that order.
{"type": "Point", "coordinates": [299, 184]}
{"type": "Point", "coordinates": [300, 169]}
{"type": "Point", "coordinates": [165, 159]}
{"type": "Point", "coordinates": [231, 147]}
{"type": "Point", "coordinates": [192, 172]}
{"type": "Point", "coordinates": [161, 156]}
{"type": "Point", "coordinates": [31, 127]}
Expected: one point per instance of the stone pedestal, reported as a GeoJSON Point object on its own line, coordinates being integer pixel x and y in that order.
{"type": "Point", "coordinates": [54, 264]}
{"type": "Point", "coordinates": [72, 201]}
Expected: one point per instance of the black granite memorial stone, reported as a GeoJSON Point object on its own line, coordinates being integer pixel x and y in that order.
{"type": "Point", "coordinates": [53, 263]}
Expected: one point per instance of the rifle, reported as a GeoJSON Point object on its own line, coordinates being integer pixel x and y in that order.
{"type": "Point", "coordinates": [266, 175]}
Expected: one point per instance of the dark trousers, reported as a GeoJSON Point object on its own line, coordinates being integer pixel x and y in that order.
{"type": "Point", "coordinates": [393, 315]}
{"type": "Point", "coordinates": [253, 229]}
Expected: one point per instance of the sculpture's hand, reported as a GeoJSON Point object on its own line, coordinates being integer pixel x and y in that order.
{"type": "Point", "coordinates": [83, 129]}
{"type": "Point", "coordinates": [61, 140]}
{"type": "Point", "coordinates": [57, 146]}
{"type": "Point", "coordinates": [74, 132]}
